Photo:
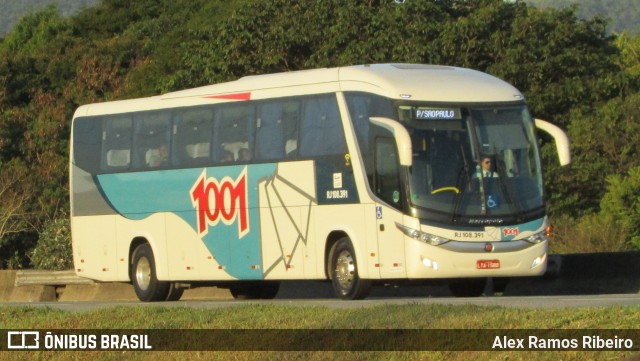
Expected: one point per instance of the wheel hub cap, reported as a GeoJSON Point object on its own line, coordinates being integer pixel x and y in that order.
{"type": "Point", "coordinates": [143, 273]}
{"type": "Point", "coordinates": [345, 268]}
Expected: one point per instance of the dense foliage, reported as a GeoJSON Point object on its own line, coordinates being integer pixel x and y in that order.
{"type": "Point", "coordinates": [53, 248]}
{"type": "Point", "coordinates": [572, 71]}
{"type": "Point", "coordinates": [623, 14]}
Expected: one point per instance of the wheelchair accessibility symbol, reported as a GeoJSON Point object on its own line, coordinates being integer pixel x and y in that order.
{"type": "Point", "coordinates": [493, 202]}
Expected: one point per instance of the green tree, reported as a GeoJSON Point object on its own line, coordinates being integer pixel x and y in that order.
{"type": "Point", "coordinates": [14, 214]}
{"type": "Point", "coordinates": [622, 203]}
{"type": "Point", "coordinates": [12, 199]}
{"type": "Point", "coordinates": [53, 250]}
{"type": "Point", "coordinates": [605, 141]}
{"type": "Point", "coordinates": [557, 60]}
{"type": "Point", "coordinates": [630, 54]}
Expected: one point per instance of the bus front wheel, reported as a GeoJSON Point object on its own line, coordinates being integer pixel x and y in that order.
{"type": "Point", "coordinates": [345, 277]}
{"type": "Point", "coordinates": [143, 276]}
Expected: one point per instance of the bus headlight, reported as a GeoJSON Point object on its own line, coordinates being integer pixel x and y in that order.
{"type": "Point", "coordinates": [421, 236]}
{"type": "Point", "coordinates": [541, 236]}
{"type": "Point", "coordinates": [538, 238]}
{"type": "Point", "coordinates": [538, 261]}
{"type": "Point", "coordinates": [429, 263]}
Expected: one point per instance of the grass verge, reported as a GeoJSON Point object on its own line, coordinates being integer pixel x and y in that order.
{"type": "Point", "coordinates": [259, 316]}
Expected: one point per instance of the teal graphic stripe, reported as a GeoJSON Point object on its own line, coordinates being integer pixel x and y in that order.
{"type": "Point", "coordinates": [138, 195]}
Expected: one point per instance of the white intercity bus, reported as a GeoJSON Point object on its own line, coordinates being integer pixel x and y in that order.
{"type": "Point", "coordinates": [358, 175]}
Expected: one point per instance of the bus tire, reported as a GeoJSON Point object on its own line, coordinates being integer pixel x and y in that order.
{"type": "Point", "coordinates": [500, 284]}
{"type": "Point", "coordinates": [260, 290]}
{"type": "Point", "coordinates": [143, 276]}
{"type": "Point", "coordinates": [345, 278]}
{"type": "Point", "coordinates": [174, 293]}
{"type": "Point", "coordinates": [472, 287]}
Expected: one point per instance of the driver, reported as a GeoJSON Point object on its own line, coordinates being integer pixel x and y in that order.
{"type": "Point", "coordinates": [486, 168]}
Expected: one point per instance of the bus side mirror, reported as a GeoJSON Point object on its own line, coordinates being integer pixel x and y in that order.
{"type": "Point", "coordinates": [401, 135]}
{"type": "Point", "coordinates": [560, 137]}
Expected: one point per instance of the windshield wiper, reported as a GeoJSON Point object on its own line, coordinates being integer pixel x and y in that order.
{"type": "Point", "coordinates": [507, 188]}
{"type": "Point", "coordinates": [458, 197]}
{"type": "Point", "coordinates": [475, 143]}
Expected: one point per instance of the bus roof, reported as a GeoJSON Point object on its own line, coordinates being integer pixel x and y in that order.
{"type": "Point", "coordinates": [434, 83]}
{"type": "Point", "coordinates": [419, 81]}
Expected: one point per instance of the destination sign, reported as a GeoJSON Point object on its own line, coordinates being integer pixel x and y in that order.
{"type": "Point", "coordinates": [438, 113]}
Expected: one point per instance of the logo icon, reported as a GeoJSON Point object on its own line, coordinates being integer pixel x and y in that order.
{"type": "Point", "coordinates": [513, 231]}
{"type": "Point", "coordinates": [21, 340]}
{"type": "Point", "coordinates": [221, 200]}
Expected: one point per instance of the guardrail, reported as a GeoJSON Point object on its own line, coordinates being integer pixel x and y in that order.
{"type": "Point", "coordinates": [66, 286]}
{"type": "Point", "coordinates": [50, 278]}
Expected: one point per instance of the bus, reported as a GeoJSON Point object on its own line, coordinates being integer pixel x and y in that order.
{"type": "Point", "coordinates": [356, 175]}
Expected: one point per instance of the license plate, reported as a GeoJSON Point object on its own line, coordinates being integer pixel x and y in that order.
{"type": "Point", "coordinates": [488, 264]}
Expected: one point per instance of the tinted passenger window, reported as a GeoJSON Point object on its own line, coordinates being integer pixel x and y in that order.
{"type": "Point", "coordinates": [362, 106]}
{"type": "Point", "coordinates": [387, 179]}
{"type": "Point", "coordinates": [87, 135]}
{"type": "Point", "coordinates": [233, 133]}
{"type": "Point", "coordinates": [277, 130]}
{"type": "Point", "coordinates": [321, 128]}
{"type": "Point", "coordinates": [269, 131]}
{"type": "Point", "coordinates": [192, 134]}
{"type": "Point", "coordinates": [116, 142]}
{"type": "Point", "coordinates": [151, 140]}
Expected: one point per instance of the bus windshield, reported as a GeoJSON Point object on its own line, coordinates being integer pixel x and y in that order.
{"type": "Point", "coordinates": [473, 163]}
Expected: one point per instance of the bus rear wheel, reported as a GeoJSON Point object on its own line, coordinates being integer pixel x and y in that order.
{"type": "Point", "coordinates": [175, 292]}
{"type": "Point", "coordinates": [143, 276]}
{"type": "Point", "coordinates": [345, 277]}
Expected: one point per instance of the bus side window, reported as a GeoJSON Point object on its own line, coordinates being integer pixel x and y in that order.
{"type": "Point", "coordinates": [234, 132]}
{"type": "Point", "coordinates": [192, 136]}
{"type": "Point", "coordinates": [359, 110]}
{"type": "Point", "coordinates": [291, 120]}
{"type": "Point", "coordinates": [269, 132]}
{"type": "Point", "coordinates": [362, 106]}
{"type": "Point", "coordinates": [88, 133]}
{"type": "Point", "coordinates": [387, 175]}
{"type": "Point", "coordinates": [151, 139]}
{"type": "Point", "coordinates": [321, 128]}
{"type": "Point", "coordinates": [116, 142]}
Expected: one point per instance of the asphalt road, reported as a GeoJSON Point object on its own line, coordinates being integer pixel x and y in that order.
{"type": "Point", "coordinates": [565, 301]}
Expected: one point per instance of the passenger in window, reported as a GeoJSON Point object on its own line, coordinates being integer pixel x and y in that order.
{"type": "Point", "coordinates": [161, 157]}
{"type": "Point", "coordinates": [226, 156]}
{"type": "Point", "coordinates": [244, 155]}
